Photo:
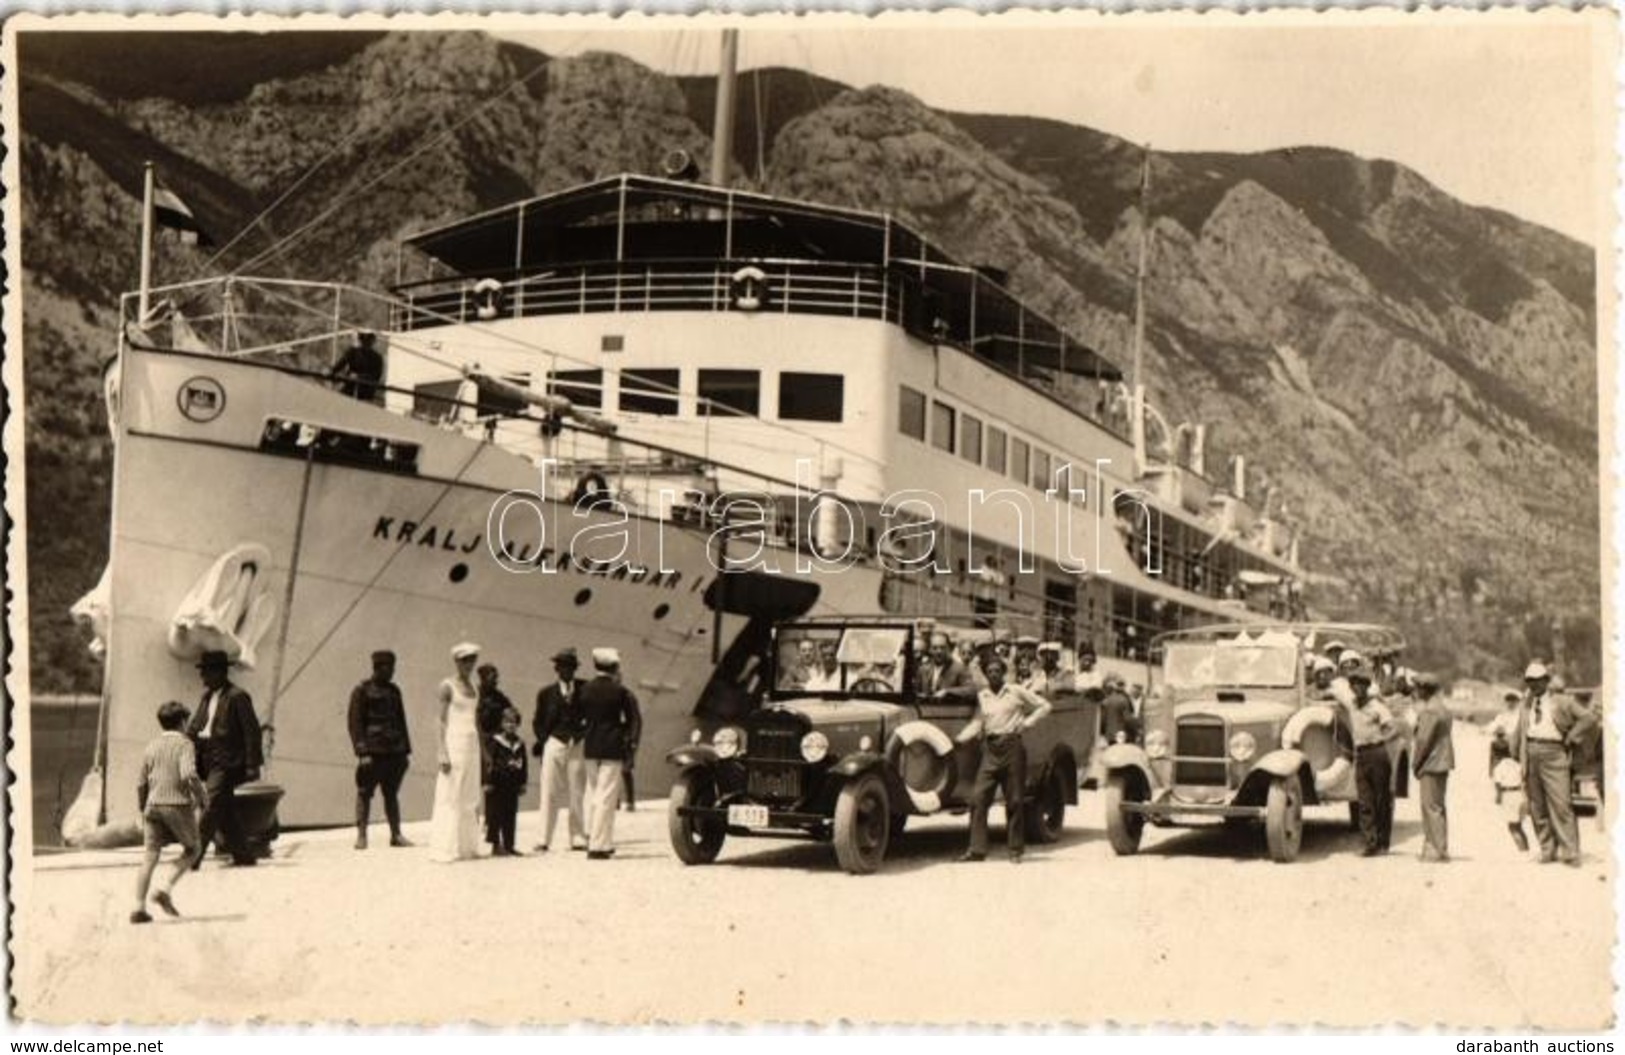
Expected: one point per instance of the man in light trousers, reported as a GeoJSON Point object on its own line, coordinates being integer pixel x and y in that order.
{"type": "Point", "coordinates": [1549, 729]}
{"type": "Point", "coordinates": [563, 771]}
{"type": "Point", "coordinates": [613, 725]}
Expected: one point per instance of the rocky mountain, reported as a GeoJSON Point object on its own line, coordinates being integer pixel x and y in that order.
{"type": "Point", "coordinates": [1414, 376]}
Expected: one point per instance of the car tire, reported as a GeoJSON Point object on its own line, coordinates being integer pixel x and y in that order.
{"type": "Point", "coordinates": [1045, 814]}
{"type": "Point", "coordinates": [696, 841]}
{"type": "Point", "coordinates": [1123, 830]}
{"type": "Point", "coordinates": [1283, 818]}
{"type": "Point", "coordinates": [862, 824]}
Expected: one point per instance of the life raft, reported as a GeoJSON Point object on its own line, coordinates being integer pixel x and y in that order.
{"type": "Point", "coordinates": [592, 489]}
{"type": "Point", "coordinates": [1318, 721]}
{"type": "Point", "coordinates": [487, 298]}
{"type": "Point", "coordinates": [748, 286]}
{"type": "Point", "coordinates": [228, 609]}
{"type": "Point", "coordinates": [927, 774]}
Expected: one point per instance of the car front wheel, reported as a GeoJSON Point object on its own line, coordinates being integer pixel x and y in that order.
{"type": "Point", "coordinates": [862, 824]}
{"type": "Point", "coordinates": [1283, 818]}
{"type": "Point", "coordinates": [696, 840]}
{"type": "Point", "coordinates": [1123, 829]}
{"type": "Point", "coordinates": [1046, 810]}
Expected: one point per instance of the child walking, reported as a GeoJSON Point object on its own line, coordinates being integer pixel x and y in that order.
{"type": "Point", "coordinates": [1508, 777]}
{"type": "Point", "coordinates": [169, 793]}
{"type": "Point", "coordinates": [507, 770]}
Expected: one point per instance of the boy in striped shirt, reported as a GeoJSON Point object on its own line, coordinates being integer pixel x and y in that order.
{"type": "Point", "coordinates": [169, 794]}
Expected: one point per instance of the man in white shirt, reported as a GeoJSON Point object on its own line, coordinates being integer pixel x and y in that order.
{"type": "Point", "coordinates": [1372, 725]}
{"type": "Point", "coordinates": [1003, 712]}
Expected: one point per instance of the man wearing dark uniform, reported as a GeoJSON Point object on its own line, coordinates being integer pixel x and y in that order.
{"type": "Point", "coordinates": [383, 747]}
{"type": "Point", "coordinates": [1372, 725]}
{"type": "Point", "coordinates": [227, 734]}
{"type": "Point", "coordinates": [361, 369]}
{"type": "Point", "coordinates": [1435, 756]}
{"type": "Point", "coordinates": [562, 772]}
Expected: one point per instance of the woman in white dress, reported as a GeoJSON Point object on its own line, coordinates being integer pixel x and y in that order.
{"type": "Point", "coordinates": [454, 830]}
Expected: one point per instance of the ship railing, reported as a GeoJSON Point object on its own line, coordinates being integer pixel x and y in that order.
{"type": "Point", "coordinates": [755, 286]}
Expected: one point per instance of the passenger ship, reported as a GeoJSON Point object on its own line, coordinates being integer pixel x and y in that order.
{"type": "Point", "coordinates": [594, 402]}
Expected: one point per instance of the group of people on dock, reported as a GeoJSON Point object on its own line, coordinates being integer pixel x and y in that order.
{"type": "Point", "coordinates": [586, 739]}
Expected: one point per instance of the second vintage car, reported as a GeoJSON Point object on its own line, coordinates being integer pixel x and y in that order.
{"type": "Point", "coordinates": [849, 743]}
{"type": "Point", "coordinates": [1237, 731]}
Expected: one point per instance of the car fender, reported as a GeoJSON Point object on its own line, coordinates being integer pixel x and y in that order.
{"type": "Point", "coordinates": [689, 755]}
{"type": "Point", "coordinates": [1119, 758]}
{"type": "Point", "coordinates": [856, 764]}
{"type": "Point", "coordinates": [1282, 762]}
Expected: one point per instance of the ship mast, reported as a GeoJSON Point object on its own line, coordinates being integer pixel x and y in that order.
{"type": "Point", "coordinates": [722, 130]}
{"type": "Point", "coordinates": [1137, 378]}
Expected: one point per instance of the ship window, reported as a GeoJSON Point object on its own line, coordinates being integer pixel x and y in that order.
{"type": "Point", "coordinates": [584, 388]}
{"type": "Point", "coordinates": [731, 390]}
{"type": "Point", "coordinates": [994, 449]}
{"type": "Point", "coordinates": [649, 391]}
{"type": "Point", "coordinates": [970, 439]}
{"type": "Point", "coordinates": [811, 397]}
{"type": "Point", "coordinates": [942, 427]}
{"type": "Point", "coordinates": [1020, 458]}
{"type": "Point", "coordinates": [436, 400]}
{"type": "Point", "coordinates": [911, 413]}
{"type": "Point", "coordinates": [1041, 478]}
{"type": "Point", "coordinates": [612, 342]}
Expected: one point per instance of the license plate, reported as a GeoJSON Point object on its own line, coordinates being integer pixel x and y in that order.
{"type": "Point", "coordinates": [747, 816]}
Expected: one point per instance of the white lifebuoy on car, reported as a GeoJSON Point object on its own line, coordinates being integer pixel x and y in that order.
{"type": "Point", "coordinates": [1335, 773]}
{"type": "Point", "coordinates": [749, 287]}
{"type": "Point", "coordinates": [926, 794]}
{"type": "Point", "coordinates": [487, 298]}
{"type": "Point", "coordinates": [228, 609]}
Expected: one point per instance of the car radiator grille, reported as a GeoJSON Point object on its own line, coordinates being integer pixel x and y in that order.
{"type": "Point", "coordinates": [1194, 743]}
{"type": "Point", "coordinates": [776, 743]}
{"type": "Point", "coordinates": [774, 782]}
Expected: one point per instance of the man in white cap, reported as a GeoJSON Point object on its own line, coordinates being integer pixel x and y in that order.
{"type": "Point", "coordinates": [1057, 676]}
{"type": "Point", "coordinates": [1549, 728]}
{"type": "Point", "coordinates": [612, 725]}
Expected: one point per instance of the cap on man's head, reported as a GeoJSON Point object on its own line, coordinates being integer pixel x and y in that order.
{"type": "Point", "coordinates": [1322, 663]}
{"type": "Point", "coordinates": [1536, 671]}
{"type": "Point", "coordinates": [1334, 646]}
{"type": "Point", "coordinates": [465, 650]}
{"type": "Point", "coordinates": [606, 658]}
{"type": "Point", "coordinates": [1026, 641]}
{"type": "Point", "coordinates": [567, 657]}
{"type": "Point", "coordinates": [213, 660]}
{"type": "Point", "coordinates": [1050, 646]}
{"type": "Point", "coordinates": [1350, 656]}
{"type": "Point", "coordinates": [383, 655]}
{"type": "Point", "coordinates": [1425, 679]}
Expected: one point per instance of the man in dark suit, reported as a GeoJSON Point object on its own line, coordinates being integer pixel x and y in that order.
{"type": "Point", "coordinates": [1433, 757]}
{"type": "Point", "coordinates": [612, 726]}
{"type": "Point", "coordinates": [562, 773]}
{"type": "Point", "coordinates": [1550, 727]}
{"type": "Point", "coordinates": [946, 677]}
{"type": "Point", "coordinates": [227, 733]}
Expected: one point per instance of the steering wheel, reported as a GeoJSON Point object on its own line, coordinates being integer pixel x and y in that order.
{"type": "Point", "coordinates": [870, 684]}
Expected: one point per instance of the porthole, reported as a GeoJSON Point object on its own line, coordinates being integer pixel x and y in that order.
{"type": "Point", "coordinates": [662, 610]}
{"type": "Point", "coordinates": [582, 597]}
{"type": "Point", "coordinates": [459, 572]}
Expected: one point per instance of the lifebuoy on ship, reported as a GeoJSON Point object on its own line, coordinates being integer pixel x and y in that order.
{"type": "Point", "coordinates": [487, 298]}
{"type": "Point", "coordinates": [1337, 769]}
{"type": "Point", "coordinates": [924, 756]}
{"type": "Point", "coordinates": [591, 489]}
{"type": "Point", "coordinates": [228, 609]}
{"type": "Point", "coordinates": [749, 288]}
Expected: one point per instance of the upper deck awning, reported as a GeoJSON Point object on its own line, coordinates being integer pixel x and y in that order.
{"type": "Point", "coordinates": [646, 222]}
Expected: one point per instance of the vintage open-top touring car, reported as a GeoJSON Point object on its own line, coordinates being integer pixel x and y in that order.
{"type": "Point", "coordinates": [849, 743]}
{"type": "Point", "coordinates": [1238, 731]}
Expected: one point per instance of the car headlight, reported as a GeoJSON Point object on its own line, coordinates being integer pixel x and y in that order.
{"type": "Point", "coordinates": [1156, 744]}
{"type": "Point", "coordinates": [814, 746]}
{"type": "Point", "coordinates": [728, 742]}
{"type": "Point", "coordinates": [1243, 746]}
{"type": "Point", "coordinates": [866, 743]}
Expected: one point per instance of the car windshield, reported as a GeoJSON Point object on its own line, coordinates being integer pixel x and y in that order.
{"type": "Point", "coordinates": [833, 659]}
{"type": "Point", "coordinates": [1237, 662]}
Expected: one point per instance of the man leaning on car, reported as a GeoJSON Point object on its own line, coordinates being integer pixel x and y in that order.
{"type": "Point", "coordinates": [1003, 712]}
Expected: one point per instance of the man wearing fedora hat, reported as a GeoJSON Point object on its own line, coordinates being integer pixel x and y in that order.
{"type": "Point", "coordinates": [612, 725]}
{"type": "Point", "coordinates": [559, 729]}
{"type": "Point", "coordinates": [227, 733]}
{"type": "Point", "coordinates": [1549, 728]}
